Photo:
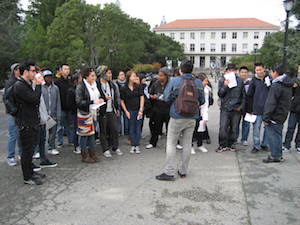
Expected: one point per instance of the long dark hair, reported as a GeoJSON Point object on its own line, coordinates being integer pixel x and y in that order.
{"type": "Point", "coordinates": [128, 75]}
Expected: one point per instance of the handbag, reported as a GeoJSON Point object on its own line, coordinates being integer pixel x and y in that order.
{"type": "Point", "coordinates": [85, 124]}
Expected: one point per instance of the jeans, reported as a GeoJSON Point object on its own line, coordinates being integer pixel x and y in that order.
{"type": "Point", "coordinates": [245, 130]}
{"type": "Point", "coordinates": [28, 140]}
{"type": "Point", "coordinates": [65, 124]}
{"type": "Point", "coordinates": [123, 123]}
{"type": "Point", "coordinates": [87, 142]}
{"type": "Point", "coordinates": [41, 141]}
{"type": "Point", "coordinates": [51, 138]}
{"type": "Point", "coordinates": [294, 119]}
{"type": "Point", "coordinates": [274, 136]}
{"type": "Point", "coordinates": [109, 130]}
{"type": "Point", "coordinates": [74, 124]}
{"type": "Point", "coordinates": [175, 128]}
{"type": "Point", "coordinates": [156, 123]}
{"type": "Point", "coordinates": [229, 122]}
{"type": "Point", "coordinates": [256, 134]}
{"type": "Point", "coordinates": [135, 128]}
{"type": "Point", "coordinates": [13, 138]}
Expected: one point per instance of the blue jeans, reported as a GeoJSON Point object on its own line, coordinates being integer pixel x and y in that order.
{"type": "Point", "coordinates": [256, 134]}
{"type": "Point", "coordinates": [123, 123]}
{"type": "Point", "coordinates": [74, 124]}
{"type": "Point", "coordinates": [245, 130]}
{"type": "Point", "coordinates": [65, 124]}
{"type": "Point", "coordinates": [294, 119]}
{"type": "Point", "coordinates": [87, 142]}
{"type": "Point", "coordinates": [274, 135]}
{"type": "Point", "coordinates": [13, 137]}
{"type": "Point", "coordinates": [40, 143]}
{"type": "Point", "coordinates": [51, 138]}
{"type": "Point", "coordinates": [135, 128]}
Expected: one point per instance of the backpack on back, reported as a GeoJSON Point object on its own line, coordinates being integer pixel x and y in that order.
{"type": "Point", "coordinates": [9, 101]}
{"type": "Point", "coordinates": [187, 103]}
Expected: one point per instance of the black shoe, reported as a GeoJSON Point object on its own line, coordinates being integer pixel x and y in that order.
{"type": "Point", "coordinates": [48, 164]}
{"type": "Point", "coordinates": [33, 181]}
{"type": "Point", "coordinates": [37, 175]}
{"type": "Point", "coordinates": [273, 160]}
{"type": "Point", "coordinates": [254, 150]}
{"type": "Point", "coordinates": [165, 177]}
{"type": "Point", "coordinates": [181, 175]}
{"type": "Point", "coordinates": [265, 148]}
{"type": "Point", "coordinates": [36, 168]}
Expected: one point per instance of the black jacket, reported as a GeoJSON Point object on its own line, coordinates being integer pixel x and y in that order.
{"type": "Point", "coordinates": [27, 101]}
{"type": "Point", "coordinates": [159, 106]}
{"type": "Point", "coordinates": [296, 99]}
{"type": "Point", "coordinates": [71, 100]}
{"type": "Point", "coordinates": [63, 85]}
{"type": "Point", "coordinates": [232, 98]}
{"type": "Point", "coordinates": [279, 100]}
{"type": "Point", "coordinates": [83, 99]}
{"type": "Point", "coordinates": [8, 83]}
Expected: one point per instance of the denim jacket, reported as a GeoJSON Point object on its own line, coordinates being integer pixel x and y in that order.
{"type": "Point", "coordinates": [172, 90]}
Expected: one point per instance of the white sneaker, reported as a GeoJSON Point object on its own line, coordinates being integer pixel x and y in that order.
{"type": "Point", "coordinates": [36, 155]}
{"type": "Point", "coordinates": [298, 150]}
{"type": "Point", "coordinates": [77, 150]}
{"type": "Point", "coordinates": [285, 150]}
{"type": "Point", "coordinates": [11, 161]}
{"type": "Point", "coordinates": [132, 151]}
{"type": "Point", "coordinates": [137, 150]}
{"type": "Point", "coordinates": [193, 152]}
{"type": "Point", "coordinates": [107, 154]}
{"type": "Point", "coordinates": [149, 146]}
{"type": "Point", "coordinates": [179, 147]}
{"type": "Point", "coordinates": [202, 148]}
{"type": "Point", "coordinates": [53, 152]}
{"type": "Point", "coordinates": [245, 143]}
{"type": "Point", "coordinates": [119, 152]}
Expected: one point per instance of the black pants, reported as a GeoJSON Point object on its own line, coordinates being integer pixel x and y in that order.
{"type": "Point", "coordinates": [229, 122]}
{"type": "Point", "coordinates": [200, 136]}
{"type": "Point", "coordinates": [28, 140]}
{"type": "Point", "coordinates": [108, 125]}
{"type": "Point", "coordinates": [156, 123]}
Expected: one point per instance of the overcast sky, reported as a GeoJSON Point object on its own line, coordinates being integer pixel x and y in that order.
{"type": "Point", "coordinates": [152, 11]}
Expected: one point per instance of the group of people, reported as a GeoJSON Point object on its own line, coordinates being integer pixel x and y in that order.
{"type": "Point", "coordinates": [90, 108]}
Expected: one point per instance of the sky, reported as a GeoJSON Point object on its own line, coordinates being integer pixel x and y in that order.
{"type": "Point", "coordinates": [152, 11]}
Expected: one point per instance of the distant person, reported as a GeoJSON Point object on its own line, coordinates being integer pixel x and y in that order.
{"type": "Point", "coordinates": [185, 94]}
{"type": "Point", "coordinates": [276, 110]}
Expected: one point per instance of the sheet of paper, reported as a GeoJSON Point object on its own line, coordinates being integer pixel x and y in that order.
{"type": "Point", "coordinates": [268, 81]}
{"type": "Point", "coordinates": [97, 106]}
{"type": "Point", "coordinates": [250, 118]}
{"type": "Point", "coordinates": [202, 126]}
{"type": "Point", "coordinates": [232, 79]}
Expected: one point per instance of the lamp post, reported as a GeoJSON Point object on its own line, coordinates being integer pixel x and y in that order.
{"type": "Point", "coordinates": [288, 5]}
{"type": "Point", "coordinates": [110, 55]}
{"type": "Point", "coordinates": [255, 47]}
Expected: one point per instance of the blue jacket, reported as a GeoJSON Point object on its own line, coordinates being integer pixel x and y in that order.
{"type": "Point", "coordinates": [172, 90]}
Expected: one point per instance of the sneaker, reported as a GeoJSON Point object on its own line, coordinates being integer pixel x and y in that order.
{"type": "Point", "coordinates": [33, 181]}
{"type": "Point", "coordinates": [265, 148]}
{"type": "Point", "coordinates": [220, 149]}
{"type": "Point", "coordinates": [37, 175]}
{"type": "Point", "coordinates": [181, 175]}
{"type": "Point", "coordinates": [36, 168]}
{"type": "Point", "coordinates": [53, 152]}
{"type": "Point", "coordinates": [202, 148]}
{"type": "Point", "coordinates": [36, 155]}
{"type": "Point", "coordinates": [165, 177]}
{"type": "Point", "coordinates": [254, 150]}
{"type": "Point", "coordinates": [48, 164]}
{"type": "Point", "coordinates": [193, 152]}
{"type": "Point", "coordinates": [298, 150]}
{"type": "Point", "coordinates": [245, 143]}
{"type": "Point", "coordinates": [285, 150]}
{"type": "Point", "coordinates": [59, 146]}
{"type": "Point", "coordinates": [11, 161]}
{"type": "Point", "coordinates": [107, 154]}
{"type": "Point", "coordinates": [273, 160]}
{"type": "Point", "coordinates": [179, 147]}
{"type": "Point", "coordinates": [77, 150]}
{"type": "Point", "coordinates": [137, 150]}
{"type": "Point", "coordinates": [119, 152]}
{"type": "Point", "coordinates": [149, 146]}
{"type": "Point", "coordinates": [232, 148]}
{"type": "Point", "coordinates": [132, 151]}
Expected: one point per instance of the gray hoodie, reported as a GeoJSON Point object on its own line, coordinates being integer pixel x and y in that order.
{"type": "Point", "coordinates": [52, 100]}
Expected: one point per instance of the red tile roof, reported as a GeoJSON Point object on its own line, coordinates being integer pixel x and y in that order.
{"type": "Point", "coordinates": [216, 23]}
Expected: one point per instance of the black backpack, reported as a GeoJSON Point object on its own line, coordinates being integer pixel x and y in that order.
{"type": "Point", "coordinates": [9, 101]}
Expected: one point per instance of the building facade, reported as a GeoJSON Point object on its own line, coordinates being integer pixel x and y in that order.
{"type": "Point", "coordinates": [211, 43]}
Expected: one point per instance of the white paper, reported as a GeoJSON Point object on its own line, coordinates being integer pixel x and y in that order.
{"type": "Point", "coordinates": [268, 81]}
{"type": "Point", "coordinates": [232, 79]}
{"type": "Point", "coordinates": [251, 118]}
{"type": "Point", "coordinates": [97, 106]}
{"type": "Point", "coordinates": [202, 126]}
{"type": "Point", "coordinates": [50, 123]}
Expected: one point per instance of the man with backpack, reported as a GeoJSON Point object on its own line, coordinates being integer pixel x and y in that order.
{"type": "Point", "coordinates": [185, 94]}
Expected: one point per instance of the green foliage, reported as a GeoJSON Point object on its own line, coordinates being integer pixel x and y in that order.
{"type": "Point", "coordinates": [247, 60]}
{"type": "Point", "coordinates": [154, 67]}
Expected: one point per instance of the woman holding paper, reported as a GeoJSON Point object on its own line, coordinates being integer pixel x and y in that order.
{"type": "Point", "coordinates": [87, 94]}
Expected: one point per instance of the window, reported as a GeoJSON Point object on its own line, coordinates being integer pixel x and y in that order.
{"type": "Point", "coordinates": [192, 58]}
{"type": "Point", "coordinates": [213, 35]}
{"type": "Point", "coordinates": [212, 61]}
{"type": "Point", "coordinates": [223, 61]}
{"type": "Point", "coordinates": [202, 35]}
{"type": "Point", "coordinates": [223, 47]}
{"type": "Point", "coordinates": [234, 35]}
{"type": "Point", "coordinates": [245, 47]}
{"type": "Point", "coordinates": [268, 33]}
{"type": "Point", "coordinates": [245, 35]}
{"type": "Point", "coordinates": [192, 47]}
{"type": "Point", "coordinates": [192, 35]}
{"type": "Point", "coordinates": [202, 61]}
{"type": "Point", "coordinates": [256, 35]}
{"type": "Point", "coordinates": [181, 35]}
{"type": "Point", "coordinates": [202, 47]}
{"type": "Point", "coordinates": [172, 35]}
{"type": "Point", "coordinates": [212, 47]}
{"type": "Point", "coordinates": [233, 49]}
{"type": "Point", "coordinates": [223, 35]}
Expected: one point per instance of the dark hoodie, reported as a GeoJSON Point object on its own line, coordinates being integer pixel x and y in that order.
{"type": "Point", "coordinates": [279, 100]}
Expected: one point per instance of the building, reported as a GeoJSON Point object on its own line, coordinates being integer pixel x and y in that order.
{"type": "Point", "coordinates": [211, 43]}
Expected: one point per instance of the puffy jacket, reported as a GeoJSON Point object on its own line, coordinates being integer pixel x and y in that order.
{"type": "Point", "coordinates": [83, 99]}
{"type": "Point", "coordinates": [279, 100]}
{"type": "Point", "coordinates": [232, 98]}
